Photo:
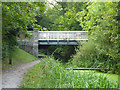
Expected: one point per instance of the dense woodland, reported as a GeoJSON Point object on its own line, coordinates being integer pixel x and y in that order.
{"type": "Point", "coordinates": [100, 19]}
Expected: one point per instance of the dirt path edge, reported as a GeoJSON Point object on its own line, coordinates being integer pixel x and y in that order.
{"type": "Point", "coordinates": [11, 78]}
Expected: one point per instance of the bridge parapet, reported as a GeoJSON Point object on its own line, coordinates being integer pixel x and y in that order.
{"type": "Point", "coordinates": [63, 35]}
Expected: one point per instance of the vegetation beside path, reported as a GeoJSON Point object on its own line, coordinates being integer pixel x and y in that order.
{"type": "Point", "coordinates": [52, 74]}
{"type": "Point", "coordinates": [19, 57]}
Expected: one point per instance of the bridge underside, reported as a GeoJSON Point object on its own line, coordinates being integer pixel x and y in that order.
{"type": "Point", "coordinates": [58, 42]}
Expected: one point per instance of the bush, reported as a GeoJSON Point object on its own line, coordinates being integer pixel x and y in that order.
{"type": "Point", "coordinates": [97, 52]}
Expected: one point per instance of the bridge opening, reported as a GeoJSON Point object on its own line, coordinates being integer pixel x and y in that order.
{"type": "Point", "coordinates": [59, 52]}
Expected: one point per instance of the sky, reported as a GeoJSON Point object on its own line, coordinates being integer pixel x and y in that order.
{"type": "Point", "coordinates": [53, 1]}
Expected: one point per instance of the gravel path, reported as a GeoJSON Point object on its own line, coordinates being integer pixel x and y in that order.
{"type": "Point", "coordinates": [11, 78]}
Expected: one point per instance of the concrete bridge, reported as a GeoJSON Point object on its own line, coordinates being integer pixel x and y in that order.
{"type": "Point", "coordinates": [51, 38]}
{"type": "Point", "coordinates": [61, 37]}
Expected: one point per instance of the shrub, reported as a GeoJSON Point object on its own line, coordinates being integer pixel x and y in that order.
{"type": "Point", "coordinates": [97, 52]}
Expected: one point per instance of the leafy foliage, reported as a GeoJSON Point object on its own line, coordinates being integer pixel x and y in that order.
{"type": "Point", "coordinates": [52, 74]}
{"type": "Point", "coordinates": [68, 21]}
{"type": "Point", "coordinates": [95, 53]}
{"type": "Point", "coordinates": [63, 52]}
{"type": "Point", "coordinates": [102, 47]}
{"type": "Point", "coordinates": [16, 17]}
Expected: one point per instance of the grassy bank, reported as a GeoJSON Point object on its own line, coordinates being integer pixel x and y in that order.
{"type": "Point", "coordinates": [112, 77]}
{"type": "Point", "coordinates": [19, 57]}
{"type": "Point", "coordinates": [52, 74]}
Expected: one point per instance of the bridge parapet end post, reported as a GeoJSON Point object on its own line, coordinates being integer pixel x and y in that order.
{"type": "Point", "coordinates": [35, 43]}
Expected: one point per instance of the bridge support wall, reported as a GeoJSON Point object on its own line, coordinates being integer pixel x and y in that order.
{"type": "Point", "coordinates": [30, 45]}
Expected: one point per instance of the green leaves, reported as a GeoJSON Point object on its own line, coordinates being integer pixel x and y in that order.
{"type": "Point", "coordinates": [99, 19]}
{"type": "Point", "coordinates": [69, 21]}
{"type": "Point", "coordinates": [98, 15]}
{"type": "Point", "coordinates": [18, 15]}
{"type": "Point", "coordinates": [21, 13]}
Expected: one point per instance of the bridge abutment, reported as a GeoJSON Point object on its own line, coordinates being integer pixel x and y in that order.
{"type": "Point", "coordinates": [30, 45]}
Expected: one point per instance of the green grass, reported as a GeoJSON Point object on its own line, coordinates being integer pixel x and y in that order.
{"type": "Point", "coordinates": [19, 57]}
{"type": "Point", "coordinates": [113, 77]}
{"type": "Point", "coordinates": [52, 74]}
{"type": "Point", "coordinates": [110, 76]}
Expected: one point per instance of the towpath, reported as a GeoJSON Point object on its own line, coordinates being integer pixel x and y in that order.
{"type": "Point", "coordinates": [11, 78]}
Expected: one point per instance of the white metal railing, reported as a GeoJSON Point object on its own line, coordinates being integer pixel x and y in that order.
{"type": "Point", "coordinates": [63, 35]}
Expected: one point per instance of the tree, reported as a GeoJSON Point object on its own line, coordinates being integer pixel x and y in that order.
{"type": "Point", "coordinates": [17, 16]}
{"type": "Point", "coordinates": [100, 18]}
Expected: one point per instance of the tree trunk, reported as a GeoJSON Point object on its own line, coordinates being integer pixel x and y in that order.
{"type": "Point", "coordinates": [10, 59]}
